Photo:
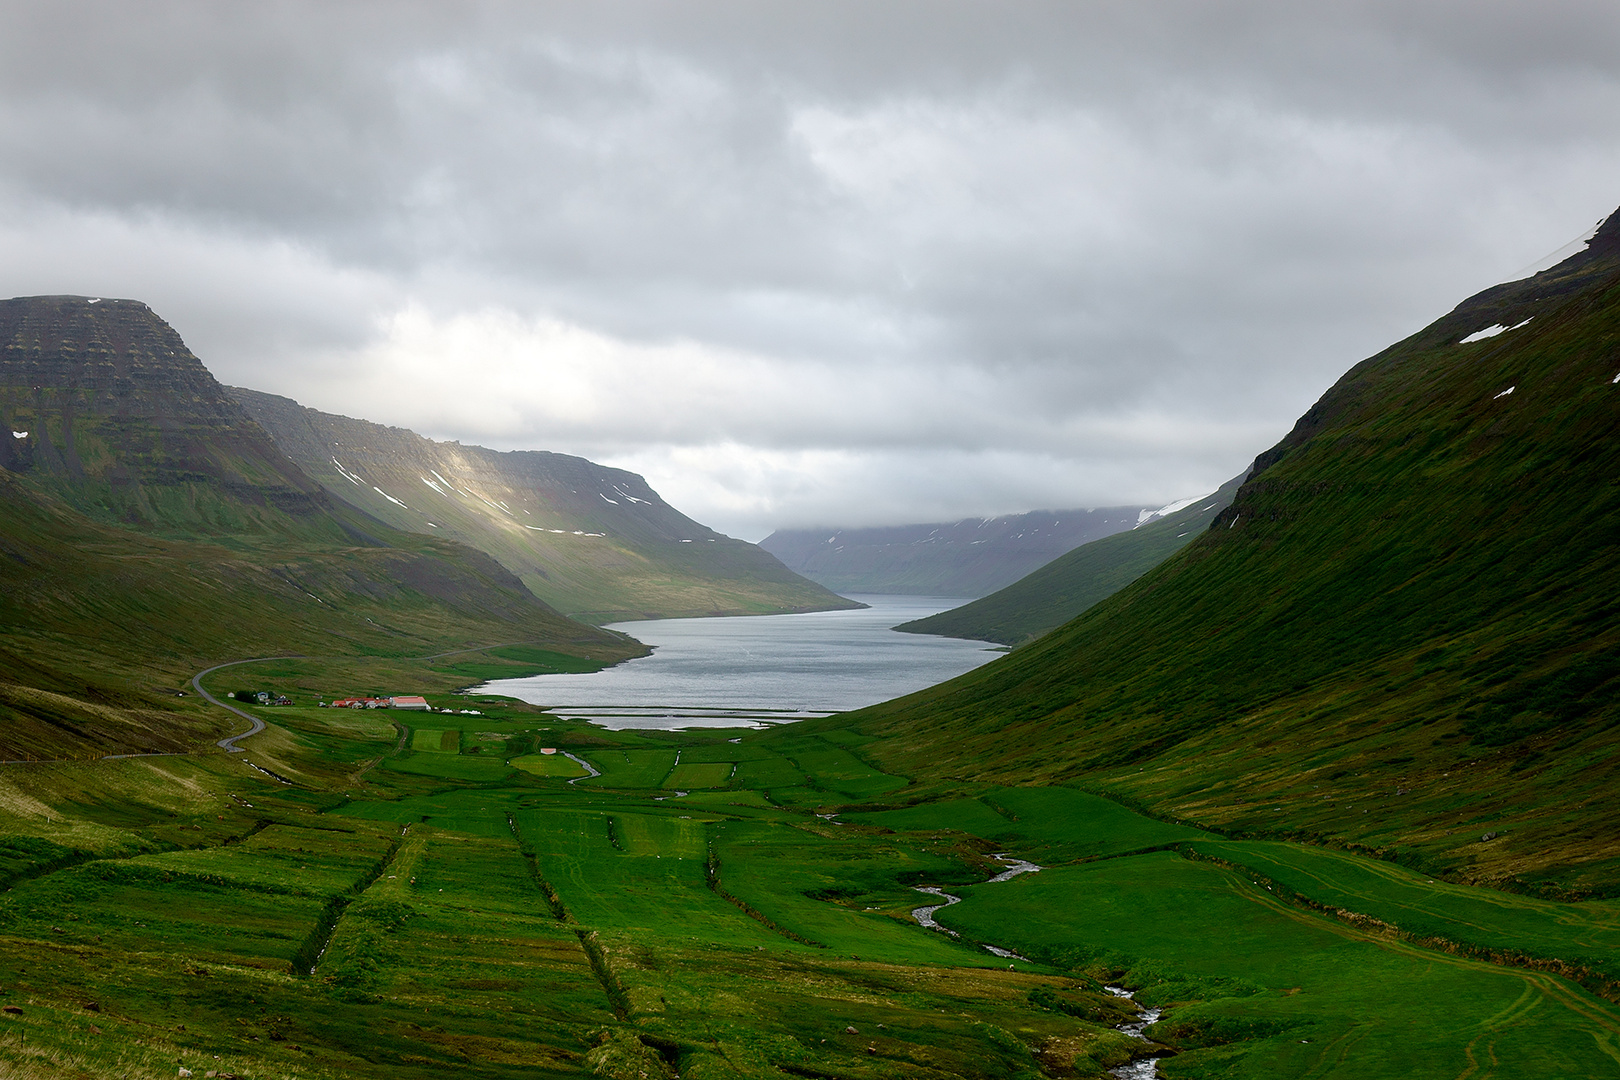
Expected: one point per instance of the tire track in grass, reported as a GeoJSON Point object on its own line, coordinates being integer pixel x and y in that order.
{"type": "Point", "coordinates": [1526, 1003]}
{"type": "Point", "coordinates": [1593, 982]}
{"type": "Point", "coordinates": [1545, 988]}
{"type": "Point", "coordinates": [1400, 877]}
{"type": "Point", "coordinates": [399, 745]}
{"type": "Point", "coordinates": [618, 998]}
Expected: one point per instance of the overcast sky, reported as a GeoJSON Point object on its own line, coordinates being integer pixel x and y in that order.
{"type": "Point", "coordinates": [808, 263]}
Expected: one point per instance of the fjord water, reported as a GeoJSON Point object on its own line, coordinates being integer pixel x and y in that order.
{"type": "Point", "coordinates": [728, 672]}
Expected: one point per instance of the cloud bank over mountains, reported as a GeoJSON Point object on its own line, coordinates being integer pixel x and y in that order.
{"type": "Point", "coordinates": [807, 264]}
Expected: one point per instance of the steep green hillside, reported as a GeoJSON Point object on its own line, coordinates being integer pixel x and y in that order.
{"type": "Point", "coordinates": [149, 528]}
{"type": "Point", "coordinates": [1069, 584]}
{"type": "Point", "coordinates": [595, 542]}
{"type": "Point", "coordinates": [1404, 633]}
{"type": "Point", "coordinates": [972, 557]}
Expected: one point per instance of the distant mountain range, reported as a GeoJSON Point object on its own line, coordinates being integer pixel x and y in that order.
{"type": "Point", "coordinates": [1403, 635]}
{"type": "Point", "coordinates": [972, 557]}
{"type": "Point", "coordinates": [1071, 583]}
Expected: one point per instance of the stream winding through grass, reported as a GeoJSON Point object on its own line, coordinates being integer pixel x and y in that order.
{"type": "Point", "coordinates": [1144, 1068]}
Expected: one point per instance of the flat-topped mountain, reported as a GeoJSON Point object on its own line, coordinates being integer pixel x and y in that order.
{"type": "Point", "coordinates": [596, 542]}
{"type": "Point", "coordinates": [149, 527]}
{"type": "Point", "coordinates": [103, 404]}
{"type": "Point", "coordinates": [972, 557]}
{"type": "Point", "coordinates": [1404, 632]}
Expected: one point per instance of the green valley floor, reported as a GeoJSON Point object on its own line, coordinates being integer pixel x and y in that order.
{"type": "Point", "coordinates": [369, 893]}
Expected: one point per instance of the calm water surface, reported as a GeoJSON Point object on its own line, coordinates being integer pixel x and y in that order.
{"type": "Point", "coordinates": [760, 668]}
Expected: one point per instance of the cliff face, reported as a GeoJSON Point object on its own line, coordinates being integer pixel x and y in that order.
{"type": "Point", "coordinates": [592, 541]}
{"type": "Point", "coordinates": [102, 403]}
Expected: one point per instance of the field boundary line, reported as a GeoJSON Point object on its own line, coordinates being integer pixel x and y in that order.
{"type": "Point", "coordinates": [595, 956]}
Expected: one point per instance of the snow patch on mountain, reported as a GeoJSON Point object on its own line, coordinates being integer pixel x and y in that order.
{"type": "Point", "coordinates": [1492, 331]}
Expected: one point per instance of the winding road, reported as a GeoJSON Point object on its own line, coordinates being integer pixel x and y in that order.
{"type": "Point", "coordinates": [228, 744]}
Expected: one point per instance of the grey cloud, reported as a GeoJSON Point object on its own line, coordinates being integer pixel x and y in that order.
{"type": "Point", "coordinates": [1110, 250]}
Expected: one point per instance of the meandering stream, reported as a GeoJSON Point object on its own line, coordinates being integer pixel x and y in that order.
{"type": "Point", "coordinates": [925, 914]}
{"type": "Point", "coordinates": [1146, 1068]}
{"type": "Point", "coordinates": [590, 770]}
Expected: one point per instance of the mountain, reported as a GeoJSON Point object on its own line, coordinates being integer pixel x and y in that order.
{"type": "Point", "coordinates": [972, 557]}
{"type": "Point", "coordinates": [1403, 634]}
{"type": "Point", "coordinates": [149, 528]}
{"type": "Point", "coordinates": [108, 409]}
{"type": "Point", "coordinates": [1069, 584]}
{"type": "Point", "coordinates": [595, 542]}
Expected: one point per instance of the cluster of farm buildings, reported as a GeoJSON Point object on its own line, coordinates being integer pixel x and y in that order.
{"type": "Point", "coordinates": [406, 701]}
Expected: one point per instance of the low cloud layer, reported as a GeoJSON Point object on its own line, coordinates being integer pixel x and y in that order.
{"type": "Point", "coordinates": [808, 264]}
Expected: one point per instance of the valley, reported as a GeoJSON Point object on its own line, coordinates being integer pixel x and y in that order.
{"type": "Point", "coordinates": [842, 541]}
{"type": "Point", "coordinates": [377, 902]}
{"type": "Point", "coordinates": [1326, 785]}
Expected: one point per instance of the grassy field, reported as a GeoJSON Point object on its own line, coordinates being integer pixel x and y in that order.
{"type": "Point", "coordinates": [436, 741]}
{"type": "Point", "coordinates": [549, 765]}
{"type": "Point", "coordinates": [410, 904]}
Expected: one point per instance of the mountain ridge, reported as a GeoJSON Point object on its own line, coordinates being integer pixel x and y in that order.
{"type": "Point", "coordinates": [108, 408]}
{"type": "Point", "coordinates": [150, 527]}
{"type": "Point", "coordinates": [594, 541]}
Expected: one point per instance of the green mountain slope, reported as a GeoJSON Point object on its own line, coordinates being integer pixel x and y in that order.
{"type": "Point", "coordinates": [1404, 633]}
{"type": "Point", "coordinates": [149, 528]}
{"type": "Point", "coordinates": [1071, 583]}
{"type": "Point", "coordinates": [595, 542]}
{"type": "Point", "coordinates": [972, 557]}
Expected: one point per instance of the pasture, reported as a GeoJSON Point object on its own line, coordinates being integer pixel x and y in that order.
{"type": "Point", "coordinates": [363, 908]}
